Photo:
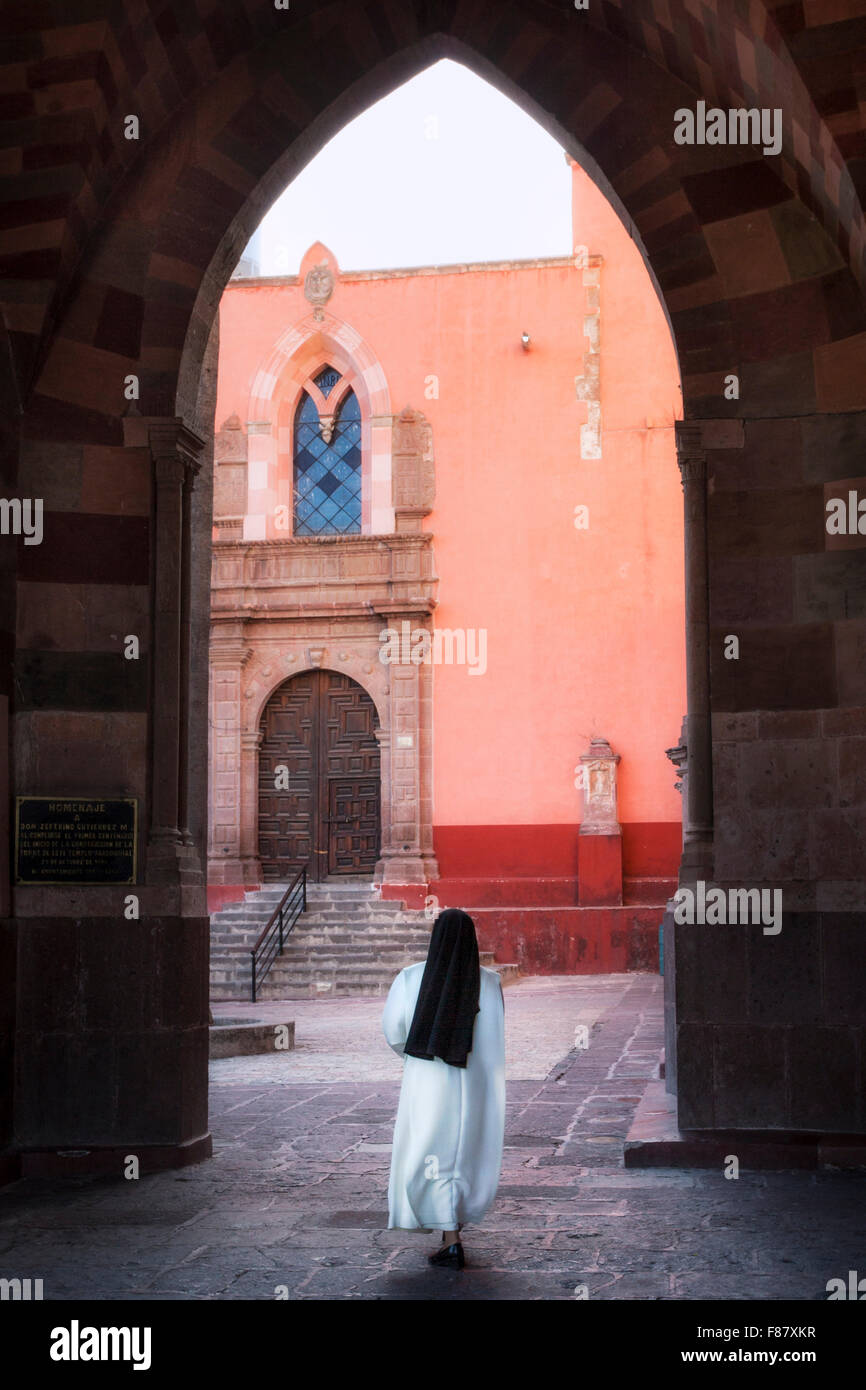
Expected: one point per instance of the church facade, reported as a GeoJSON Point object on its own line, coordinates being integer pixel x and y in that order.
{"type": "Point", "coordinates": [447, 568]}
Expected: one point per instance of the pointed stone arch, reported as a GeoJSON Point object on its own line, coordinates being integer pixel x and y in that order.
{"type": "Point", "coordinates": [124, 279]}
{"type": "Point", "coordinates": [276, 388]}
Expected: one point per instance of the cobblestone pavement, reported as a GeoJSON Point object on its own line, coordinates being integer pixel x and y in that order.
{"type": "Point", "coordinates": [295, 1197]}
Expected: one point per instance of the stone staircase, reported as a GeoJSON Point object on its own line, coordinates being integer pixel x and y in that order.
{"type": "Point", "coordinates": [347, 942]}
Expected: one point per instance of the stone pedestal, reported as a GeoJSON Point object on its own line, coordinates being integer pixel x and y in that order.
{"type": "Point", "coordinates": [599, 871]}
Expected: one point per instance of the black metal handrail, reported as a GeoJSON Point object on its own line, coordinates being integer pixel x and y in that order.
{"type": "Point", "coordinates": [280, 923]}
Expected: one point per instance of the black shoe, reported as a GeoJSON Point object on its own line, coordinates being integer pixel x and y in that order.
{"type": "Point", "coordinates": [449, 1257]}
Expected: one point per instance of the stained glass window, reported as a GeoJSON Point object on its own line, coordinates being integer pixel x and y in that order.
{"type": "Point", "coordinates": [327, 472]}
{"type": "Point", "coordinates": [327, 380]}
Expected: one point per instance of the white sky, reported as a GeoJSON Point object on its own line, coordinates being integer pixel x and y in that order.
{"type": "Point", "coordinates": [444, 169]}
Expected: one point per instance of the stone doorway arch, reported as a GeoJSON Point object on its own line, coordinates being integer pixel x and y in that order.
{"type": "Point", "coordinates": [319, 781]}
{"type": "Point", "coordinates": [135, 249]}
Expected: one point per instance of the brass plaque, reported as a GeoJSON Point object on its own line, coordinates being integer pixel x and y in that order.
{"type": "Point", "coordinates": [75, 839]}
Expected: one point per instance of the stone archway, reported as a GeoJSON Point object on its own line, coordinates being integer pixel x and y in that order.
{"type": "Point", "coordinates": [759, 262]}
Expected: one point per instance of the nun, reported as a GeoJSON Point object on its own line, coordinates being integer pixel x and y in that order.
{"type": "Point", "coordinates": [446, 1018]}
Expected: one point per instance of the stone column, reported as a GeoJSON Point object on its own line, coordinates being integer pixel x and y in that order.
{"type": "Point", "coordinates": [697, 860]}
{"type": "Point", "coordinates": [383, 738]}
{"type": "Point", "coordinates": [175, 450]}
{"type": "Point", "coordinates": [425, 773]}
{"type": "Point", "coordinates": [250, 865]}
{"type": "Point", "coordinates": [402, 855]}
{"type": "Point", "coordinates": [406, 863]}
{"type": "Point", "coordinates": [185, 648]}
{"type": "Point", "coordinates": [227, 660]}
{"type": "Point", "coordinates": [407, 850]}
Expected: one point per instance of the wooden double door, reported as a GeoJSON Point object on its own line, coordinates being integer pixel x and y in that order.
{"type": "Point", "coordinates": [319, 782]}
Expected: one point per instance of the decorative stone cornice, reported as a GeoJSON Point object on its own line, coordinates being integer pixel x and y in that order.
{"type": "Point", "coordinates": [173, 445]}
{"type": "Point", "coordinates": [229, 654]}
{"type": "Point", "coordinates": [691, 454]}
{"type": "Point", "coordinates": [329, 578]}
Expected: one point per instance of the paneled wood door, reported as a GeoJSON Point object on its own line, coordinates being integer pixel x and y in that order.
{"type": "Point", "coordinates": [319, 783]}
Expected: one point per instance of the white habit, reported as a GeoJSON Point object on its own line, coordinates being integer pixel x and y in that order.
{"type": "Point", "coordinates": [450, 1124]}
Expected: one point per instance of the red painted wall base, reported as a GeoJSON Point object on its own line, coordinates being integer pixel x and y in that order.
{"type": "Point", "coordinates": [470, 893]}
{"type": "Point", "coordinates": [414, 895]}
{"type": "Point", "coordinates": [572, 940]}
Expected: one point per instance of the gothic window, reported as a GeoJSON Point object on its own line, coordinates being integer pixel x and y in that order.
{"type": "Point", "coordinates": [327, 463]}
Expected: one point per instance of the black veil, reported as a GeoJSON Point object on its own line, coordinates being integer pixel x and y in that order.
{"type": "Point", "coordinates": [444, 1015]}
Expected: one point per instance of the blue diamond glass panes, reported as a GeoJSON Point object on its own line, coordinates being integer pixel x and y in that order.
{"type": "Point", "coordinates": [328, 475]}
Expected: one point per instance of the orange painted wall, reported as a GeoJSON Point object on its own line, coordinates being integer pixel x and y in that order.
{"type": "Point", "coordinates": [585, 629]}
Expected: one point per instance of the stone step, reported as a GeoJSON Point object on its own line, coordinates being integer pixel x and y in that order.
{"type": "Point", "coordinates": [237, 957]}
{"type": "Point", "coordinates": [357, 981]}
{"type": "Point", "coordinates": [248, 905]}
{"type": "Point", "coordinates": [368, 905]}
{"type": "Point", "coordinates": [393, 961]}
{"type": "Point", "coordinates": [274, 990]}
{"type": "Point", "coordinates": [360, 910]}
{"type": "Point", "coordinates": [317, 952]}
{"type": "Point", "coordinates": [337, 936]}
{"type": "Point", "coordinates": [359, 919]}
{"type": "Point", "coordinates": [328, 890]}
{"type": "Point", "coordinates": [347, 942]}
{"type": "Point", "coordinates": [327, 909]}
{"type": "Point", "coordinates": [325, 920]}
{"type": "Point", "coordinates": [415, 941]}
{"type": "Point", "coordinates": [336, 890]}
{"type": "Point", "coordinates": [285, 968]}
{"type": "Point", "coordinates": [237, 911]}
{"type": "Point", "coordinates": [305, 967]}
{"type": "Point", "coordinates": [335, 941]}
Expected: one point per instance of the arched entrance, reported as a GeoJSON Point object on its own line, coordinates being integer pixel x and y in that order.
{"type": "Point", "coordinates": [769, 323]}
{"type": "Point", "coordinates": [319, 784]}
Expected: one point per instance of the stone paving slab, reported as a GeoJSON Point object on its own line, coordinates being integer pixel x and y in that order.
{"type": "Point", "coordinates": [294, 1200]}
